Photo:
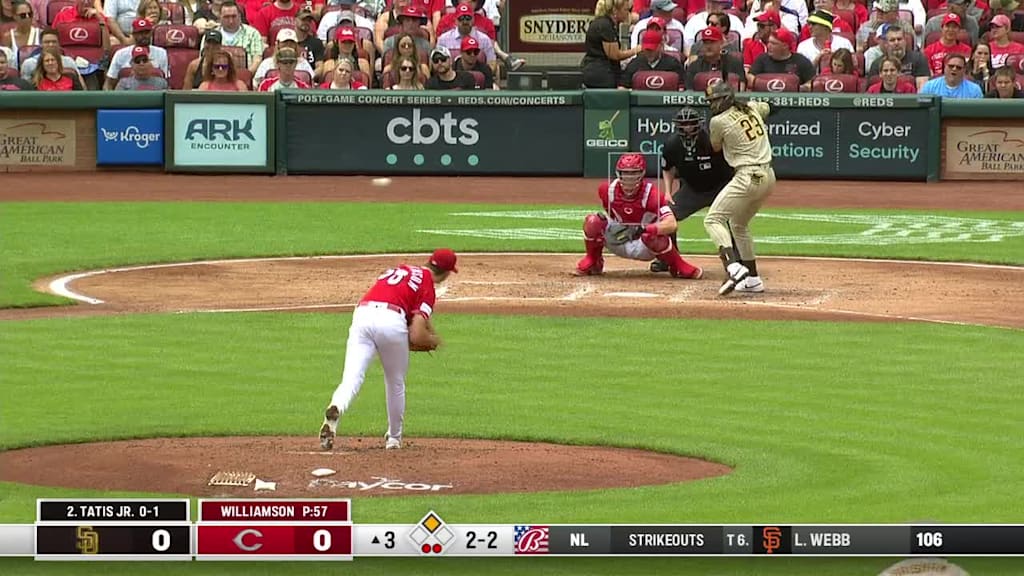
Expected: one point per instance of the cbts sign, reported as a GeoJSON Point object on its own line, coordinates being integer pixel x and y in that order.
{"type": "Point", "coordinates": [820, 142]}
{"type": "Point", "coordinates": [129, 137]}
{"type": "Point", "coordinates": [434, 139]}
{"type": "Point", "coordinates": [219, 136]}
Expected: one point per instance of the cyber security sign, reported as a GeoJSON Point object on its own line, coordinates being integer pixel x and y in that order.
{"type": "Point", "coordinates": [220, 134]}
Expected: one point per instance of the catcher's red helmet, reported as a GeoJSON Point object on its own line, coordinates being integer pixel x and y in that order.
{"type": "Point", "coordinates": [630, 170]}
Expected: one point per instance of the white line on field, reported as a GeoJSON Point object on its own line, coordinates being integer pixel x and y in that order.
{"type": "Point", "coordinates": [583, 290]}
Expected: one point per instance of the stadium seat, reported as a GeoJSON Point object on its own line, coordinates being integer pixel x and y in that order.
{"type": "Point", "coordinates": [776, 83]}
{"type": "Point", "coordinates": [480, 79]}
{"type": "Point", "coordinates": [702, 79]}
{"type": "Point", "coordinates": [175, 12]}
{"type": "Point", "coordinates": [56, 6]}
{"type": "Point", "coordinates": [299, 75]}
{"type": "Point", "coordinates": [656, 80]}
{"type": "Point", "coordinates": [82, 38]}
{"type": "Point", "coordinates": [836, 83]}
{"type": "Point", "coordinates": [675, 39]}
{"type": "Point", "coordinates": [26, 52]}
{"type": "Point", "coordinates": [182, 45]}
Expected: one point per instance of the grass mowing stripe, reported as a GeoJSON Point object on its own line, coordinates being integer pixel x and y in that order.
{"type": "Point", "coordinates": [49, 238]}
{"type": "Point", "coordinates": [801, 453]}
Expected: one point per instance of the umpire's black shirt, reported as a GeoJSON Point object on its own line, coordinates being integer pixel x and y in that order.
{"type": "Point", "coordinates": [705, 171]}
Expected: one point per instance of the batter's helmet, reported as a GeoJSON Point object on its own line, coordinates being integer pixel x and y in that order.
{"type": "Point", "coordinates": [721, 97]}
{"type": "Point", "coordinates": [630, 170]}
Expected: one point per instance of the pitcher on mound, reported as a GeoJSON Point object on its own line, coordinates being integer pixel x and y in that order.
{"type": "Point", "coordinates": [637, 223]}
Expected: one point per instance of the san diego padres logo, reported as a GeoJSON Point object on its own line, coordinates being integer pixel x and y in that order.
{"type": "Point", "coordinates": [833, 85]}
{"type": "Point", "coordinates": [776, 85]}
{"type": "Point", "coordinates": [175, 36]}
{"type": "Point", "coordinates": [78, 34]}
{"type": "Point", "coordinates": [654, 82]}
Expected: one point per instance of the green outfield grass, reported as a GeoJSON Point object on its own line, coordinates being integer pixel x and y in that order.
{"type": "Point", "coordinates": [823, 422]}
{"type": "Point", "coordinates": [47, 238]}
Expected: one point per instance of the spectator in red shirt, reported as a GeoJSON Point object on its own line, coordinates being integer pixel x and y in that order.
{"type": "Point", "coordinates": [264, 19]}
{"type": "Point", "coordinates": [889, 79]}
{"type": "Point", "coordinates": [482, 23]}
{"type": "Point", "coordinates": [50, 75]}
{"type": "Point", "coordinates": [85, 11]}
{"type": "Point", "coordinates": [1000, 43]}
{"type": "Point", "coordinates": [286, 59]}
{"type": "Point", "coordinates": [948, 44]}
{"type": "Point", "coordinates": [767, 24]}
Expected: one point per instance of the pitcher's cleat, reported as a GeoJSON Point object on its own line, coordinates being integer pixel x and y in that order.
{"type": "Point", "coordinates": [329, 428]}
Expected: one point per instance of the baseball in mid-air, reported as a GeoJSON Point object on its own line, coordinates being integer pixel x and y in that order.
{"type": "Point", "coordinates": [382, 181]}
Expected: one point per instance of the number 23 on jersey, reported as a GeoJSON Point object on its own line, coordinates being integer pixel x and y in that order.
{"type": "Point", "coordinates": [752, 128]}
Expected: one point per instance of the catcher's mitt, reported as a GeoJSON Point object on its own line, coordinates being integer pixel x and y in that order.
{"type": "Point", "coordinates": [618, 233]}
{"type": "Point", "coordinates": [421, 347]}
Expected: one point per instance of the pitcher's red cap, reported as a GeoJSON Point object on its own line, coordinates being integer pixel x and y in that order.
{"type": "Point", "coordinates": [444, 259]}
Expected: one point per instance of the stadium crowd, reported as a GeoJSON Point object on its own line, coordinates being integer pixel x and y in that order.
{"type": "Point", "coordinates": [950, 48]}
{"type": "Point", "coordinates": [242, 45]}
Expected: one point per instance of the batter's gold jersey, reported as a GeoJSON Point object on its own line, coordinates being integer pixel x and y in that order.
{"type": "Point", "coordinates": [742, 136]}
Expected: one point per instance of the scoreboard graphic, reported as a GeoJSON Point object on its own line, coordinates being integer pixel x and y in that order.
{"type": "Point", "coordinates": [316, 529]}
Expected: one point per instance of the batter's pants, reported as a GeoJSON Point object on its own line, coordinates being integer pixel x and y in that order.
{"type": "Point", "coordinates": [736, 205]}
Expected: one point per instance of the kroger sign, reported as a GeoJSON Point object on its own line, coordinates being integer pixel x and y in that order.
{"type": "Point", "coordinates": [129, 137]}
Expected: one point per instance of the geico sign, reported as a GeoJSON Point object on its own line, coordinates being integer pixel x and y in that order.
{"type": "Point", "coordinates": [596, 143]}
{"type": "Point", "coordinates": [425, 130]}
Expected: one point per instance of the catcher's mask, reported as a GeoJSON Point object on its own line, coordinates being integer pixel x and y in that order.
{"type": "Point", "coordinates": [630, 170]}
{"type": "Point", "coordinates": [688, 124]}
{"type": "Point", "coordinates": [721, 97]}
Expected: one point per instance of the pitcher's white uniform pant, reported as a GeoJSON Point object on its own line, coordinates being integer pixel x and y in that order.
{"type": "Point", "coordinates": [376, 330]}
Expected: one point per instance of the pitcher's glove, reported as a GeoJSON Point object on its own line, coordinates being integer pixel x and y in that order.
{"type": "Point", "coordinates": [421, 346]}
{"type": "Point", "coordinates": [617, 234]}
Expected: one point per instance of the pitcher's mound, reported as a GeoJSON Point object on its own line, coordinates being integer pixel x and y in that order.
{"type": "Point", "coordinates": [362, 466]}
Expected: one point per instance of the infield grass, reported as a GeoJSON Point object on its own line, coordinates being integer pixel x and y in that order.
{"type": "Point", "coordinates": [49, 238]}
{"type": "Point", "coordinates": [824, 423]}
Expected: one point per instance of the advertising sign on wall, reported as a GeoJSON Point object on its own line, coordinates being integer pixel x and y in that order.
{"type": "Point", "coordinates": [129, 137]}
{"type": "Point", "coordinates": [548, 25]}
{"type": "Point", "coordinates": [984, 147]}
{"type": "Point", "coordinates": [820, 141]}
{"type": "Point", "coordinates": [37, 142]}
{"type": "Point", "coordinates": [220, 134]}
{"type": "Point", "coordinates": [497, 134]}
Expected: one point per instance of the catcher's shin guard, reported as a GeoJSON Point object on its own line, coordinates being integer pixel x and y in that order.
{"type": "Point", "coordinates": [666, 252]}
{"type": "Point", "coordinates": [594, 226]}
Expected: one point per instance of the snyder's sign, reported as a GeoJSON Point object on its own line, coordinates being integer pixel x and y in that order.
{"type": "Point", "coordinates": [554, 28]}
{"type": "Point", "coordinates": [985, 149]}
{"type": "Point", "coordinates": [378, 483]}
{"type": "Point", "coordinates": [549, 25]}
{"type": "Point", "coordinates": [26, 142]}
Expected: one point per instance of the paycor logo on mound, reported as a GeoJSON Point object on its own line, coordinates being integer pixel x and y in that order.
{"type": "Point", "coordinates": [220, 134]}
{"type": "Point", "coordinates": [425, 130]}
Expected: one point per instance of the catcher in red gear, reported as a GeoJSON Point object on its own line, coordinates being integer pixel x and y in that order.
{"type": "Point", "coordinates": [638, 224]}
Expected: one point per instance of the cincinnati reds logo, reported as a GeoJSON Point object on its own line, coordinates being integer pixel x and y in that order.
{"type": "Point", "coordinates": [833, 85]}
{"type": "Point", "coordinates": [175, 36]}
{"type": "Point", "coordinates": [627, 210]}
{"type": "Point", "coordinates": [654, 82]}
{"type": "Point", "coordinates": [776, 85]}
{"type": "Point", "coordinates": [78, 34]}
{"type": "Point", "coordinates": [239, 540]}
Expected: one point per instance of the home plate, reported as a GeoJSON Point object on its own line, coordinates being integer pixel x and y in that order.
{"type": "Point", "coordinates": [632, 294]}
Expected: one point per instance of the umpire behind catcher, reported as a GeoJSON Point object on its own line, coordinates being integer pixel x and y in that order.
{"type": "Point", "coordinates": [687, 156]}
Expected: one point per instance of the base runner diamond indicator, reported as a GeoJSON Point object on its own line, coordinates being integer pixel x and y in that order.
{"type": "Point", "coordinates": [431, 535]}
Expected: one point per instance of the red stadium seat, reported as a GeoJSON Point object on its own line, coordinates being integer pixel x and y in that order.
{"type": "Point", "coordinates": [83, 39]}
{"type": "Point", "coordinates": [703, 79]}
{"type": "Point", "coordinates": [776, 83]}
{"type": "Point", "coordinates": [238, 54]}
{"type": "Point", "coordinates": [175, 12]}
{"type": "Point", "coordinates": [280, 24]}
{"type": "Point", "coordinates": [56, 6]}
{"type": "Point", "coordinates": [963, 37]}
{"type": "Point", "coordinates": [481, 80]}
{"type": "Point", "coordinates": [675, 39]}
{"type": "Point", "coordinates": [656, 80]}
{"type": "Point", "coordinates": [182, 45]}
{"type": "Point", "coordinates": [835, 83]}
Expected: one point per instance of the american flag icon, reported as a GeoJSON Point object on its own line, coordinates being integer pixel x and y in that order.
{"type": "Point", "coordinates": [531, 539]}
